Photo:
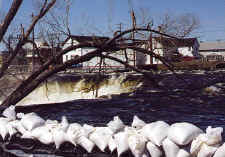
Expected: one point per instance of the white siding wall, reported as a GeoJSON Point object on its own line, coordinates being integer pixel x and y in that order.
{"type": "Point", "coordinates": [157, 49]}
{"type": "Point", "coordinates": [140, 57]}
{"type": "Point", "coordinates": [186, 51]}
{"type": "Point", "coordinates": [69, 54]}
{"type": "Point", "coordinates": [95, 61]}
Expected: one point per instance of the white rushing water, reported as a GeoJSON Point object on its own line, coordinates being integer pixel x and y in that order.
{"type": "Point", "coordinates": [62, 91]}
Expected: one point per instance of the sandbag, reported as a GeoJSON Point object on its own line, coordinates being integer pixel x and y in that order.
{"type": "Point", "coordinates": [183, 133]}
{"type": "Point", "coordinates": [136, 144]}
{"type": "Point", "coordinates": [112, 144]}
{"type": "Point", "coordinates": [101, 137]}
{"type": "Point", "coordinates": [18, 126]}
{"type": "Point", "coordinates": [51, 124]}
{"type": "Point", "coordinates": [59, 133]}
{"type": "Point", "coordinates": [183, 153]}
{"type": "Point", "coordinates": [138, 123]}
{"type": "Point", "coordinates": [145, 155]}
{"type": "Point", "coordinates": [220, 151]}
{"type": "Point", "coordinates": [59, 137]}
{"type": "Point", "coordinates": [43, 134]}
{"type": "Point", "coordinates": [64, 124]}
{"type": "Point", "coordinates": [87, 130]}
{"type": "Point", "coordinates": [74, 131]}
{"type": "Point", "coordinates": [154, 150]}
{"type": "Point", "coordinates": [214, 135]}
{"type": "Point", "coordinates": [76, 135]}
{"type": "Point", "coordinates": [87, 144]}
{"type": "Point", "coordinates": [27, 135]}
{"type": "Point", "coordinates": [156, 132]}
{"type": "Point", "coordinates": [11, 129]}
{"type": "Point", "coordinates": [116, 125]}
{"type": "Point", "coordinates": [121, 140]}
{"type": "Point", "coordinates": [74, 127]}
{"type": "Point", "coordinates": [197, 143]}
{"type": "Point", "coordinates": [3, 127]}
{"type": "Point", "coordinates": [20, 115]}
{"type": "Point", "coordinates": [170, 148]}
{"type": "Point", "coordinates": [211, 138]}
{"type": "Point", "coordinates": [10, 113]}
{"type": "Point", "coordinates": [206, 151]}
{"type": "Point", "coordinates": [31, 121]}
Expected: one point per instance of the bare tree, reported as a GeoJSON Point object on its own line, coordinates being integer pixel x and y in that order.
{"type": "Point", "coordinates": [9, 17]}
{"type": "Point", "coordinates": [45, 8]}
{"type": "Point", "coordinates": [181, 25]}
{"type": "Point", "coordinates": [112, 45]}
{"type": "Point", "coordinates": [43, 73]}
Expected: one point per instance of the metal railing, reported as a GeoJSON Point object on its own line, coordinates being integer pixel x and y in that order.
{"type": "Point", "coordinates": [28, 69]}
{"type": "Point", "coordinates": [22, 69]}
{"type": "Point", "coordinates": [93, 69]}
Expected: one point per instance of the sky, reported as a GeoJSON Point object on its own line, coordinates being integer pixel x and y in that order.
{"type": "Point", "coordinates": [100, 15]}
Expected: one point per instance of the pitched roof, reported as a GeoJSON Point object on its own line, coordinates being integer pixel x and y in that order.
{"type": "Point", "coordinates": [213, 46]}
{"type": "Point", "coordinates": [169, 42]}
{"type": "Point", "coordinates": [89, 38]}
{"type": "Point", "coordinates": [41, 43]}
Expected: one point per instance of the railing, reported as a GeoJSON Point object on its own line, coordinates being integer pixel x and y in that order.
{"type": "Point", "coordinates": [22, 69]}
{"type": "Point", "coordinates": [94, 69]}
{"type": "Point", "coordinates": [28, 69]}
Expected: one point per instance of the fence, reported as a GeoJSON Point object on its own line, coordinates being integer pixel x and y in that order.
{"type": "Point", "coordinates": [89, 69]}
{"type": "Point", "coordinates": [22, 69]}
{"type": "Point", "coordinates": [28, 69]}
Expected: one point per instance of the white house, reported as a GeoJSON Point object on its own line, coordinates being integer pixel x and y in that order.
{"type": "Point", "coordinates": [212, 51]}
{"type": "Point", "coordinates": [74, 40]}
{"type": "Point", "coordinates": [168, 48]}
{"type": "Point", "coordinates": [40, 43]}
{"type": "Point", "coordinates": [185, 47]}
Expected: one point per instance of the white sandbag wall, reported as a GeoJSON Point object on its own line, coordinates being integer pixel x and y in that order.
{"type": "Point", "coordinates": [142, 139]}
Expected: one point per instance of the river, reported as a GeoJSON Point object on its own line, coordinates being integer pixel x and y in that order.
{"type": "Point", "coordinates": [202, 108]}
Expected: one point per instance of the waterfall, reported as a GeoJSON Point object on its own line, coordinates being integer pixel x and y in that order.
{"type": "Point", "coordinates": [63, 90]}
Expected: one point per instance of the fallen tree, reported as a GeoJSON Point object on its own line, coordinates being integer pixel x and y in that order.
{"type": "Point", "coordinates": [112, 45]}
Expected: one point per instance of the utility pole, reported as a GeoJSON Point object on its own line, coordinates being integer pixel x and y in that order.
{"type": "Point", "coordinates": [133, 34]}
{"type": "Point", "coordinates": [151, 48]}
{"type": "Point", "coordinates": [120, 27]}
{"type": "Point", "coordinates": [33, 62]}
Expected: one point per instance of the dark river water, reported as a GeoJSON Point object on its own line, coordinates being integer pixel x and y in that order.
{"type": "Point", "coordinates": [200, 109]}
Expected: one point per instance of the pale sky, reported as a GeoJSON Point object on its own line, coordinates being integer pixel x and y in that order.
{"type": "Point", "coordinates": [99, 14]}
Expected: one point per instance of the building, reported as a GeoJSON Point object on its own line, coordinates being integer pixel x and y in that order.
{"type": "Point", "coordinates": [39, 55]}
{"type": "Point", "coordinates": [124, 55]}
{"type": "Point", "coordinates": [212, 51]}
{"type": "Point", "coordinates": [164, 47]}
{"type": "Point", "coordinates": [174, 49]}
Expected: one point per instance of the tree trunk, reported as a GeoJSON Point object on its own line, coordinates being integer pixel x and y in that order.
{"type": "Point", "coordinates": [9, 17]}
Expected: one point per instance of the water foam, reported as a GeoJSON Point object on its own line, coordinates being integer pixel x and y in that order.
{"type": "Point", "coordinates": [61, 91]}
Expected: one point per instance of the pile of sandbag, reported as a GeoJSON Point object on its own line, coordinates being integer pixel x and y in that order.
{"type": "Point", "coordinates": [154, 139]}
